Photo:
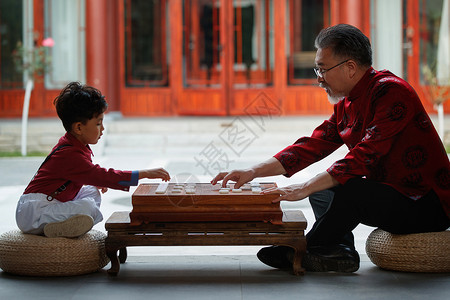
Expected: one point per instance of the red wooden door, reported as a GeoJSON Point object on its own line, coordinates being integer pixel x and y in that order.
{"type": "Point", "coordinates": [203, 91]}
{"type": "Point", "coordinates": [226, 55]}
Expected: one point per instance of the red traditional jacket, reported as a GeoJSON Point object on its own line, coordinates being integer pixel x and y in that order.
{"type": "Point", "coordinates": [389, 136]}
{"type": "Point", "coordinates": [74, 163]}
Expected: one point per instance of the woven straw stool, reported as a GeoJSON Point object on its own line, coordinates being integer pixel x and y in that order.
{"type": "Point", "coordinates": [33, 255]}
{"type": "Point", "coordinates": [418, 252]}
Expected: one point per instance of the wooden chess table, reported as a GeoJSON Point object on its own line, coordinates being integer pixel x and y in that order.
{"type": "Point", "coordinates": [204, 215]}
{"type": "Point", "coordinates": [204, 202]}
{"type": "Point", "coordinates": [122, 234]}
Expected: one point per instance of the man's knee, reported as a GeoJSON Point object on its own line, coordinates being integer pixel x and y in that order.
{"type": "Point", "coordinates": [322, 198]}
{"type": "Point", "coordinates": [320, 201]}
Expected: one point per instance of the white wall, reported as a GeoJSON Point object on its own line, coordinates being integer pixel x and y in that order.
{"type": "Point", "coordinates": [387, 37]}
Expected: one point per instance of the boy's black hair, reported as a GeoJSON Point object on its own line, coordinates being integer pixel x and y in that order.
{"type": "Point", "coordinates": [79, 103]}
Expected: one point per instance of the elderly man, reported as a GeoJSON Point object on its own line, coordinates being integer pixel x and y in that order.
{"type": "Point", "coordinates": [396, 171]}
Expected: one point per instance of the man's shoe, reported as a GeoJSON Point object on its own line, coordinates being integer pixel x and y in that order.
{"type": "Point", "coordinates": [72, 227]}
{"type": "Point", "coordinates": [280, 257]}
{"type": "Point", "coordinates": [337, 258]}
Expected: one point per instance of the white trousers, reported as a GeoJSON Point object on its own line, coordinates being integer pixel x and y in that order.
{"type": "Point", "coordinates": [34, 211]}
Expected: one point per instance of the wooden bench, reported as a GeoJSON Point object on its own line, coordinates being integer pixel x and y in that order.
{"type": "Point", "coordinates": [122, 234]}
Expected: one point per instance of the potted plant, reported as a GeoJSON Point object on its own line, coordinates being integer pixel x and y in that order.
{"type": "Point", "coordinates": [438, 92]}
{"type": "Point", "coordinates": [34, 62]}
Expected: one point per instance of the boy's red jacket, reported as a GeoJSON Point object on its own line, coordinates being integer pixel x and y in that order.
{"type": "Point", "coordinates": [74, 163]}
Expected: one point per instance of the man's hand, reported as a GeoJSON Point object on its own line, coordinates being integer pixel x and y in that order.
{"type": "Point", "coordinates": [269, 167]}
{"type": "Point", "coordinates": [300, 191]}
{"type": "Point", "coordinates": [239, 176]}
{"type": "Point", "coordinates": [290, 193]}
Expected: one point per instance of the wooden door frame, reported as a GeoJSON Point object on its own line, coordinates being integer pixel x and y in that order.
{"type": "Point", "coordinates": [203, 100]}
{"type": "Point", "coordinates": [413, 60]}
{"type": "Point", "coordinates": [261, 100]}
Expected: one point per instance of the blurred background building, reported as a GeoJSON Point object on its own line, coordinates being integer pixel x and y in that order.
{"type": "Point", "coordinates": [209, 57]}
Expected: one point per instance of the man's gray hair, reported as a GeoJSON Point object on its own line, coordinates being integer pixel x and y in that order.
{"type": "Point", "coordinates": [347, 42]}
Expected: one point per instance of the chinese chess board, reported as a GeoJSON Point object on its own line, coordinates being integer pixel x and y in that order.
{"type": "Point", "coordinates": [199, 202]}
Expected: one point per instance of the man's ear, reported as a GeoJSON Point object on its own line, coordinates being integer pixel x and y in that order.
{"type": "Point", "coordinates": [76, 128]}
{"type": "Point", "coordinates": [352, 68]}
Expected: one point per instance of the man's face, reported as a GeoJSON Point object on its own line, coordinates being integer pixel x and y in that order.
{"type": "Point", "coordinates": [332, 80]}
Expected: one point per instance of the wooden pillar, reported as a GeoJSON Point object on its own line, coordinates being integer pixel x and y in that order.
{"type": "Point", "coordinates": [38, 94]}
{"type": "Point", "coordinates": [280, 70]}
{"type": "Point", "coordinates": [175, 9]}
{"type": "Point", "coordinates": [227, 57]}
{"type": "Point", "coordinates": [97, 53]}
{"type": "Point", "coordinates": [113, 58]}
{"type": "Point", "coordinates": [353, 12]}
{"type": "Point", "coordinates": [413, 34]}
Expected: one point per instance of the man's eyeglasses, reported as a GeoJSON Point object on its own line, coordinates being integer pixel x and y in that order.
{"type": "Point", "coordinates": [319, 72]}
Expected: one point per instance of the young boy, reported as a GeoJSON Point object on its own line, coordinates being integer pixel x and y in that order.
{"type": "Point", "coordinates": [63, 198]}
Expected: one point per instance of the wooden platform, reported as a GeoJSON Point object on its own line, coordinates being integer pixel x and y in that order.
{"type": "Point", "coordinates": [204, 202]}
{"type": "Point", "coordinates": [122, 234]}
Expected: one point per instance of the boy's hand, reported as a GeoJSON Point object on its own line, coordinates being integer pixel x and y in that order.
{"type": "Point", "coordinates": [155, 173]}
{"type": "Point", "coordinates": [102, 189]}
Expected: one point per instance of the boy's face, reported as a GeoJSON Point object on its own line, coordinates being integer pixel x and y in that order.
{"type": "Point", "coordinates": [90, 132]}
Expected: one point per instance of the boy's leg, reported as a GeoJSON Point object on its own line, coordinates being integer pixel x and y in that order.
{"type": "Point", "coordinates": [72, 227]}
{"type": "Point", "coordinates": [92, 196]}
{"type": "Point", "coordinates": [34, 211]}
{"type": "Point", "coordinates": [74, 218]}
{"type": "Point", "coordinates": [86, 202]}
{"type": "Point", "coordinates": [28, 213]}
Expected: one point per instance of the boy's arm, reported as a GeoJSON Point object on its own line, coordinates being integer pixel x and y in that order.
{"type": "Point", "coordinates": [154, 173]}
{"type": "Point", "coordinates": [147, 173]}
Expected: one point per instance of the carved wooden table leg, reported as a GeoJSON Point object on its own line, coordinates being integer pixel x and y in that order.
{"type": "Point", "coordinates": [115, 265]}
{"type": "Point", "coordinates": [123, 255]}
{"type": "Point", "coordinates": [112, 245]}
{"type": "Point", "coordinates": [122, 234]}
{"type": "Point", "coordinates": [300, 251]}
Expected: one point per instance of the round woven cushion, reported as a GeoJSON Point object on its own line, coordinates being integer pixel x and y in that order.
{"type": "Point", "coordinates": [418, 252]}
{"type": "Point", "coordinates": [34, 255]}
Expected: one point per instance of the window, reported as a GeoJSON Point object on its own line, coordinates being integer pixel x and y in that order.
{"type": "Point", "coordinates": [253, 43]}
{"type": "Point", "coordinates": [201, 42]}
{"type": "Point", "coordinates": [11, 32]}
{"type": "Point", "coordinates": [305, 19]}
{"type": "Point", "coordinates": [65, 24]}
{"type": "Point", "coordinates": [206, 40]}
{"type": "Point", "coordinates": [386, 36]}
{"type": "Point", "coordinates": [434, 39]}
{"type": "Point", "coordinates": [146, 43]}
